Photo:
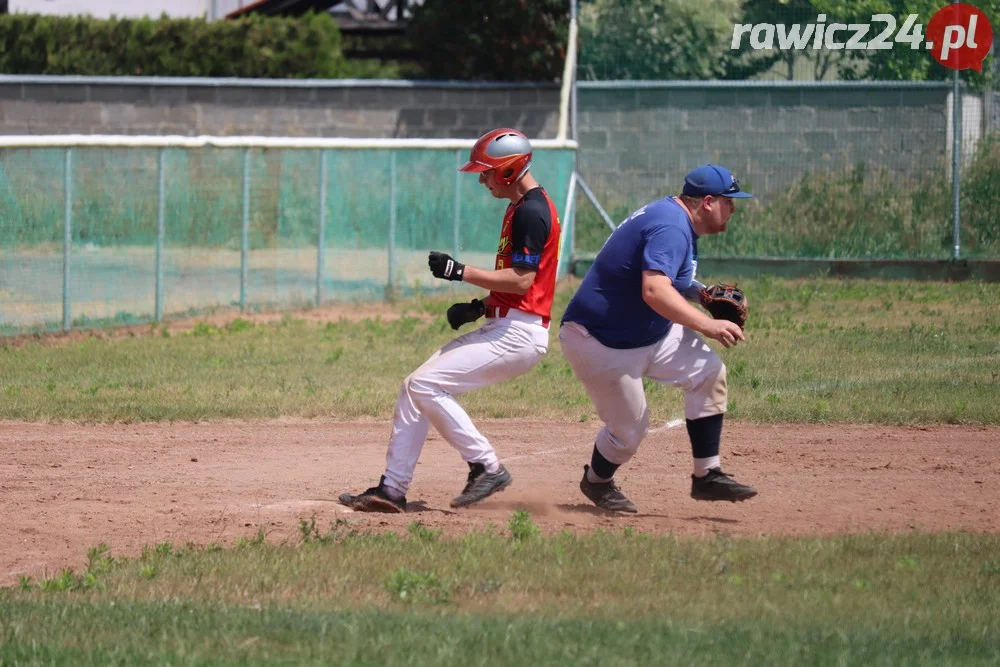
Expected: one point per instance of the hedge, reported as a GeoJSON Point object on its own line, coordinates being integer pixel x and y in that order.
{"type": "Point", "coordinates": [308, 46]}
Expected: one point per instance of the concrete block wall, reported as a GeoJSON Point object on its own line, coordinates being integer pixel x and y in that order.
{"type": "Point", "coordinates": [638, 142]}
{"type": "Point", "coordinates": [394, 109]}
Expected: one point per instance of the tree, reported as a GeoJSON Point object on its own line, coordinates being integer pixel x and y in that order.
{"type": "Point", "coordinates": [502, 40]}
{"type": "Point", "coordinates": [786, 12]}
{"type": "Point", "coordinates": [900, 63]}
{"type": "Point", "coordinates": [663, 39]}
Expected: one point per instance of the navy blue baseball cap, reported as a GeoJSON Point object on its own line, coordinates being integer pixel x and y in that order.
{"type": "Point", "coordinates": [711, 179]}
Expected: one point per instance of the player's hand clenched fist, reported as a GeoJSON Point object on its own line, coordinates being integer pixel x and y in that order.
{"type": "Point", "coordinates": [464, 313]}
{"type": "Point", "coordinates": [444, 266]}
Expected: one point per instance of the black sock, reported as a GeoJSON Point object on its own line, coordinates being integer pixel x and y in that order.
{"type": "Point", "coordinates": [705, 434]}
{"type": "Point", "coordinates": [602, 467]}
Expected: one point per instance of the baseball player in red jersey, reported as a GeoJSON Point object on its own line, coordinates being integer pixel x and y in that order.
{"type": "Point", "coordinates": [511, 342]}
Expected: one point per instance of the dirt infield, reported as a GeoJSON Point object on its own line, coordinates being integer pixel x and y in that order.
{"type": "Point", "coordinates": [65, 488]}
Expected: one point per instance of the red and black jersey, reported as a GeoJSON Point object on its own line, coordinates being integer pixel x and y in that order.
{"type": "Point", "coordinates": [529, 238]}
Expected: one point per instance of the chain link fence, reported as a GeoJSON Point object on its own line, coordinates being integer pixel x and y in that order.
{"type": "Point", "coordinates": [840, 169]}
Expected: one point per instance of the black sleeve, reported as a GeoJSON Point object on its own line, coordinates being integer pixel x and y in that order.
{"type": "Point", "coordinates": [529, 231]}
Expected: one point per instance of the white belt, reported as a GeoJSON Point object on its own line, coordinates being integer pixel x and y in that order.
{"type": "Point", "coordinates": [503, 312]}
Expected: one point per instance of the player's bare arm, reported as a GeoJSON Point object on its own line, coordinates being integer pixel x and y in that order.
{"type": "Point", "coordinates": [512, 280]}
{"type": "Point", "coordinates": [523, 237]}
{"type": "Point", "coordinates": [659, 294]}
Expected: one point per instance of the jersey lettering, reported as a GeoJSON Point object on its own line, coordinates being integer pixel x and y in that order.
{"type": "Point", "coordinates": [634, 215]}
{"type": "Point", "coordinates": [503, 248]}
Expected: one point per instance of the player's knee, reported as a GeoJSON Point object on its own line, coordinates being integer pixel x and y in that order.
{"type": "Point", "coordinates": [419, 389]}
{"type": "Point", "coordinates": [626, 438]}
{"type": "Point", "coordinates": [414, 386]}
{"type": "Point", "coordinates": [720, 379]}
{"type": "Point", "coordinates": [713, 376]}
{"type": "Point", "coordinates": [710, 395]}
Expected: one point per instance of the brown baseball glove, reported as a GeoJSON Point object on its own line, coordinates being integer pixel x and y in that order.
{"type": "Point", "coordinates": [725, 302]}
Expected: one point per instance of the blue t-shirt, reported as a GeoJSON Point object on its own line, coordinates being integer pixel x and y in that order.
{"type": "Point", "coordinates": [657, 237]}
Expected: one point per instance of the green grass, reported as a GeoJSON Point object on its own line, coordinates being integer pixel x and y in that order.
{"type": "Point", "coordinates": [176, 633]}
{"type": "Point", "coordinates": [819, 350]}
{"type": "Point", "coordinates": [513, 597]}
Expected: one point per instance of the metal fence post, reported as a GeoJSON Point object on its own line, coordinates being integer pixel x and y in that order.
{"type": "Point", "coordinates": [572, 89]}
{"type": "Point", "coordinates": [160, 233]}
{"type": "Point", "coordinates": [392, 226]}
{"type": "Point", "coordinates": [321, 235]}
{"type": "Point", "coordinates": [67, 323]}
{"type": "Point", "coordinates": [570, 208]}
{"type": "Point", "coordinates": [245, 240]}
{"type": "Point", "coordinates": [455, 240]}
{"type": "Point", "coordinates": [956, 162]}
{"type": "Point", "coordinates": [568, 237]}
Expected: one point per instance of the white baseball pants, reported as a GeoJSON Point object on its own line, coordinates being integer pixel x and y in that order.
{"type": "Point", "coordinates": [613, 379]}
{"type": "Point", "coordinates": [501, 349]}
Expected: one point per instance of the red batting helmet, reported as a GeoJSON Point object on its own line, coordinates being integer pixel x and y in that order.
{"type": "Point", "coordinates": [506, 150]}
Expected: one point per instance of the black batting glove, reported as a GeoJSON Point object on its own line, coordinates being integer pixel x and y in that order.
{"type": "Point", "coordinates": [465, 313]}
{"type": "Point", "coordinates": [444, 266]}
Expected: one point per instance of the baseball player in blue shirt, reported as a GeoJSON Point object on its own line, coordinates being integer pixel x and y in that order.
{"type": "Point", "coordinates": [631, 318]}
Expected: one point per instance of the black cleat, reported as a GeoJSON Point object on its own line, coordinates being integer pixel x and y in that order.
{"type": "Point", "coordinates": [717, 485]}
{"type": "Point", "coordinates": [374, 499]}
{"type": "Point", "coordinates": [481, 484]}
{"type": "Point", "coordinates": [606, 495]}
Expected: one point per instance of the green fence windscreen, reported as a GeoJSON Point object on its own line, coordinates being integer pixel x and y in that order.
{"type": "Point", "coordinates": [239, 227]}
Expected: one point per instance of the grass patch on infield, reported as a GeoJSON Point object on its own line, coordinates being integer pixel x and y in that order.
{"type": "Point", "coordinates": [511, 596]}
{"type": "Point", "coordinates": [821, 350]}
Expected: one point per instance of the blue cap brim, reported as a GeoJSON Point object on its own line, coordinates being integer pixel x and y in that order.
{"type": "Point", "coordinates": [739, 195]}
